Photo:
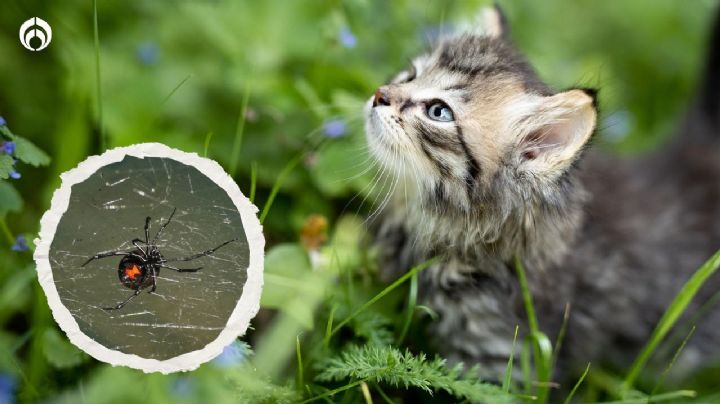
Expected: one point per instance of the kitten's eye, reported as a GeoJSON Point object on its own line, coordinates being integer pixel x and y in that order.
{"type": "Point", "coordinates": [439, 111]}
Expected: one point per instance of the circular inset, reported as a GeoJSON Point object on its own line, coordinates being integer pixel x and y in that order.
{"type": "Point", "coordinates": [151, 258]}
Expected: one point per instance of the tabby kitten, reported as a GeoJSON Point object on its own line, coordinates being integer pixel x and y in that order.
{"type": "Point", "coordinates": [490, 164]}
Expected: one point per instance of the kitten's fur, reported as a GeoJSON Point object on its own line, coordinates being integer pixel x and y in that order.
{"type": "Point", "coordinates": [616, 238]}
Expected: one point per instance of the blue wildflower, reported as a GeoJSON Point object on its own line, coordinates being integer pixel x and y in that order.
{"type": "Point", "coordinates": [20, 244]}
{"type": "Point", "coordinates": [8, 384]}
{"type": "Point", "coordinates": [8, 147]}
{"type": "Point", "coordinates": [15, 175]}
{"type": "Point", "coordinates": [334, 128]}
{"type": "Point", "coordinates": [147, 53]}
{"type": "Point", "coordinates": [2, 121]}
{"type": "Point", "coordinates": [347, 38]}
{"type": "Point", "coordinates": [233, 355]}
{"type": "Point", "coordinates": [183, 386]}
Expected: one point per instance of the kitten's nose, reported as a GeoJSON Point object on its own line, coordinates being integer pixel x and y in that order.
{"type": "Point", "coordinates": [381, 97]}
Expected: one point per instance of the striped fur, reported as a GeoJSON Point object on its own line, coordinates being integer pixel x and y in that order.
{"type": "Point", "coordinates": [508, 177]}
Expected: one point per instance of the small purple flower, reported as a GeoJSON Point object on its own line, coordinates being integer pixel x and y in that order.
{"type": "Point", "coordinates": [20, 244]}
{"type": "Point", "coordinates": [233, 355]}
{"type": "Point", "coordinates": [347, 38]}
{"type": "Point", "coordinates": [15, 175]}
{"type": "Point", "coordinates": [147, 53]}
{"type": "Point", "coordinates": [2, 121]}
{"type": "Point", "coordinates": [335, 128]}
{"type": "Point", "coordinates": [8, 147]}
{"type": "Point", "coordinates": [8, 384]}
{"type": "Point", "coordinates": [183, 386]}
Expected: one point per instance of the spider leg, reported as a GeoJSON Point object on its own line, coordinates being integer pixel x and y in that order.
{"type": "Point", "coordinates": [147, 230]}
{"type": "Point", "coordinates": [154, 279]}
{"type": "Point", "coordinates": [180, 269]}
{"type": "Point", "coordinates": [202, 254]}
{"type": "Point", "coordinates": [111, 254]}
{"type": "Point", "coordinates": [164, 226]}
{"type": "Point", "coordinates": [124, 302]}
{"type": "Point", "coordinates": [135, 243]}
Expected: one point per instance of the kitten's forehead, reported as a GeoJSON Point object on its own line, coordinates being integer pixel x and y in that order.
{"type": "Point", "coordinates": [476, 60]}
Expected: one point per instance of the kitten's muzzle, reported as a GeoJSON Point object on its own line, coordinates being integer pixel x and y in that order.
{"type": "Point", "coordinates": [381, 97]}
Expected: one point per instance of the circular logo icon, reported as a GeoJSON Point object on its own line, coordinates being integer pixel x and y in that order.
{"type": "Point", "coordinates": [35, 28]}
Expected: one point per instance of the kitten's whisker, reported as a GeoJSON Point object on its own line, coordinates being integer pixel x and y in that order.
{"type": "Point", "coordinates": [377, 176]}
{"type": "Point", "coordinates": [358, 175]}
{"type": "Point", "coordinates": [387, 198]}
{"type": "Point", "coordinates": [370, 193]}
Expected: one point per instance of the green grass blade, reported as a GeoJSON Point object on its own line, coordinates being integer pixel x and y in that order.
{"type": "Point", "coordinates": [207, 143]}
{"type": "Point", "coordinates": [673, 395]}
{"type": "Point", "coordinates": [366, 393]}
{"type": "Point", "coordinates": [575, 388]}
{"type": "Point", "coordinates": [509, 368]}
{"type": "Point", "coordinates": [412, 303]}
{"type": "Point", "coordinates": [253, 180]}
{"type": "Point", "coordinates": [384, 292]}
{"type": "Point", "coordinates": [278, 183]}
{"type": "Point", "coordinates": [300, 375]}
{"type": "Point", "coordinates": [329, 327]}
{"type": "Point", "coordinates": [561, 335]}
{"type": "Point", "coordinates": [175, 89]}
{"type": "Point", "coordinates": [671, 315]}
{"type": "Point", "coordinates": [525, 366]}
{"type": "Point", "coordinates": [670, 365]}
{"type": "Point", "coordinates": [334, 391]}
{"type": "Point", "coordinates": [382, 394]}
{"type": "Point", "coordinates": [542, 348]}
{"type": "Point", "coordinates": [98, 86]}
{"type": "Point", "coordinates": [239, 129]}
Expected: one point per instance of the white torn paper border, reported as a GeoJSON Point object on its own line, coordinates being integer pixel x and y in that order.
{"type": "Point", "coordinates": [247, 307]}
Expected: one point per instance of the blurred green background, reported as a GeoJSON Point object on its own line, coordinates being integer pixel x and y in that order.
{"type": "Point", "coordinates": [257, 83]}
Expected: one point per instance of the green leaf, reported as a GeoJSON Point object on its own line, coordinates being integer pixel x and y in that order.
{"type": "Point", "coordinates": [6, 166]}
{"type": "Point", "coordinates": [28, 153]}
{"type": "Point", "coordinates": [10, 199]}
{"type": "Point", "coordinates": [60, 352]}
{"type": "Point", "coordinates": [5, 132]}
{"type": "Point", "coordinates": [399, 369]}
{"type": "Point", "coordinates": [290, 280]}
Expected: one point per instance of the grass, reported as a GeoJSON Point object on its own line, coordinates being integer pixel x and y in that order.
{"type": "Point", "coordinates": [542, 349]}
{"type": "Point", "coordinates": [672, 314]}
{"type": "Point", "coordinates": [98, 80]}
{"type": "Point", "coordinates": [327, 311]}
{"type": "Point", "coordinates": [239, 130]}
{"type": "Point", "coordinates": [409, 274]}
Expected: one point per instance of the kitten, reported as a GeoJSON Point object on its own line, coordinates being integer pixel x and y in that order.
{"type": "Point", "coordinates": [490, 162]}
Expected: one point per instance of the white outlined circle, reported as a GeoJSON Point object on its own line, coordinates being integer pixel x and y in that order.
{"type": "Point", "coordinates": [35, 27]}
{"type": "Point", "coordinates": [246, 308]}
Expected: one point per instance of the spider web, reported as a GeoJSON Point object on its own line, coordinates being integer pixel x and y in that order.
{"type": "Point", "coordinates": [106, 212]}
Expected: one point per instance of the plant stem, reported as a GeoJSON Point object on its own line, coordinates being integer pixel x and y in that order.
{"type": "Point", "coordinates": [237, 143]}
{"type": "Point", "coordinates": [98, 86]}
{"type": "Point", "coordinates": [384, 292]}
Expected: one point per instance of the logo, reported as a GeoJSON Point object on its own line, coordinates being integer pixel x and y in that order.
{"type": "Point", "coordinates": [35, 28]}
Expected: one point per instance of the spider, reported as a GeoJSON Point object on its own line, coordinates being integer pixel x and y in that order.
{"type": "Point", "coordinates": [139, 268]}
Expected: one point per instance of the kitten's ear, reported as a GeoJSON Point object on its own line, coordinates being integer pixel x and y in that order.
{"type": "Point", "coordinates": [493, 22]}
{"type": "Point", "coordinates": [556, 132]}
{"type": "Point", "coordinates": [489, 21]}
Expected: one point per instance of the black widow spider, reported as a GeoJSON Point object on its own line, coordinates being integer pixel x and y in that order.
{"type": "Point", "coordinates": [139, 268]}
